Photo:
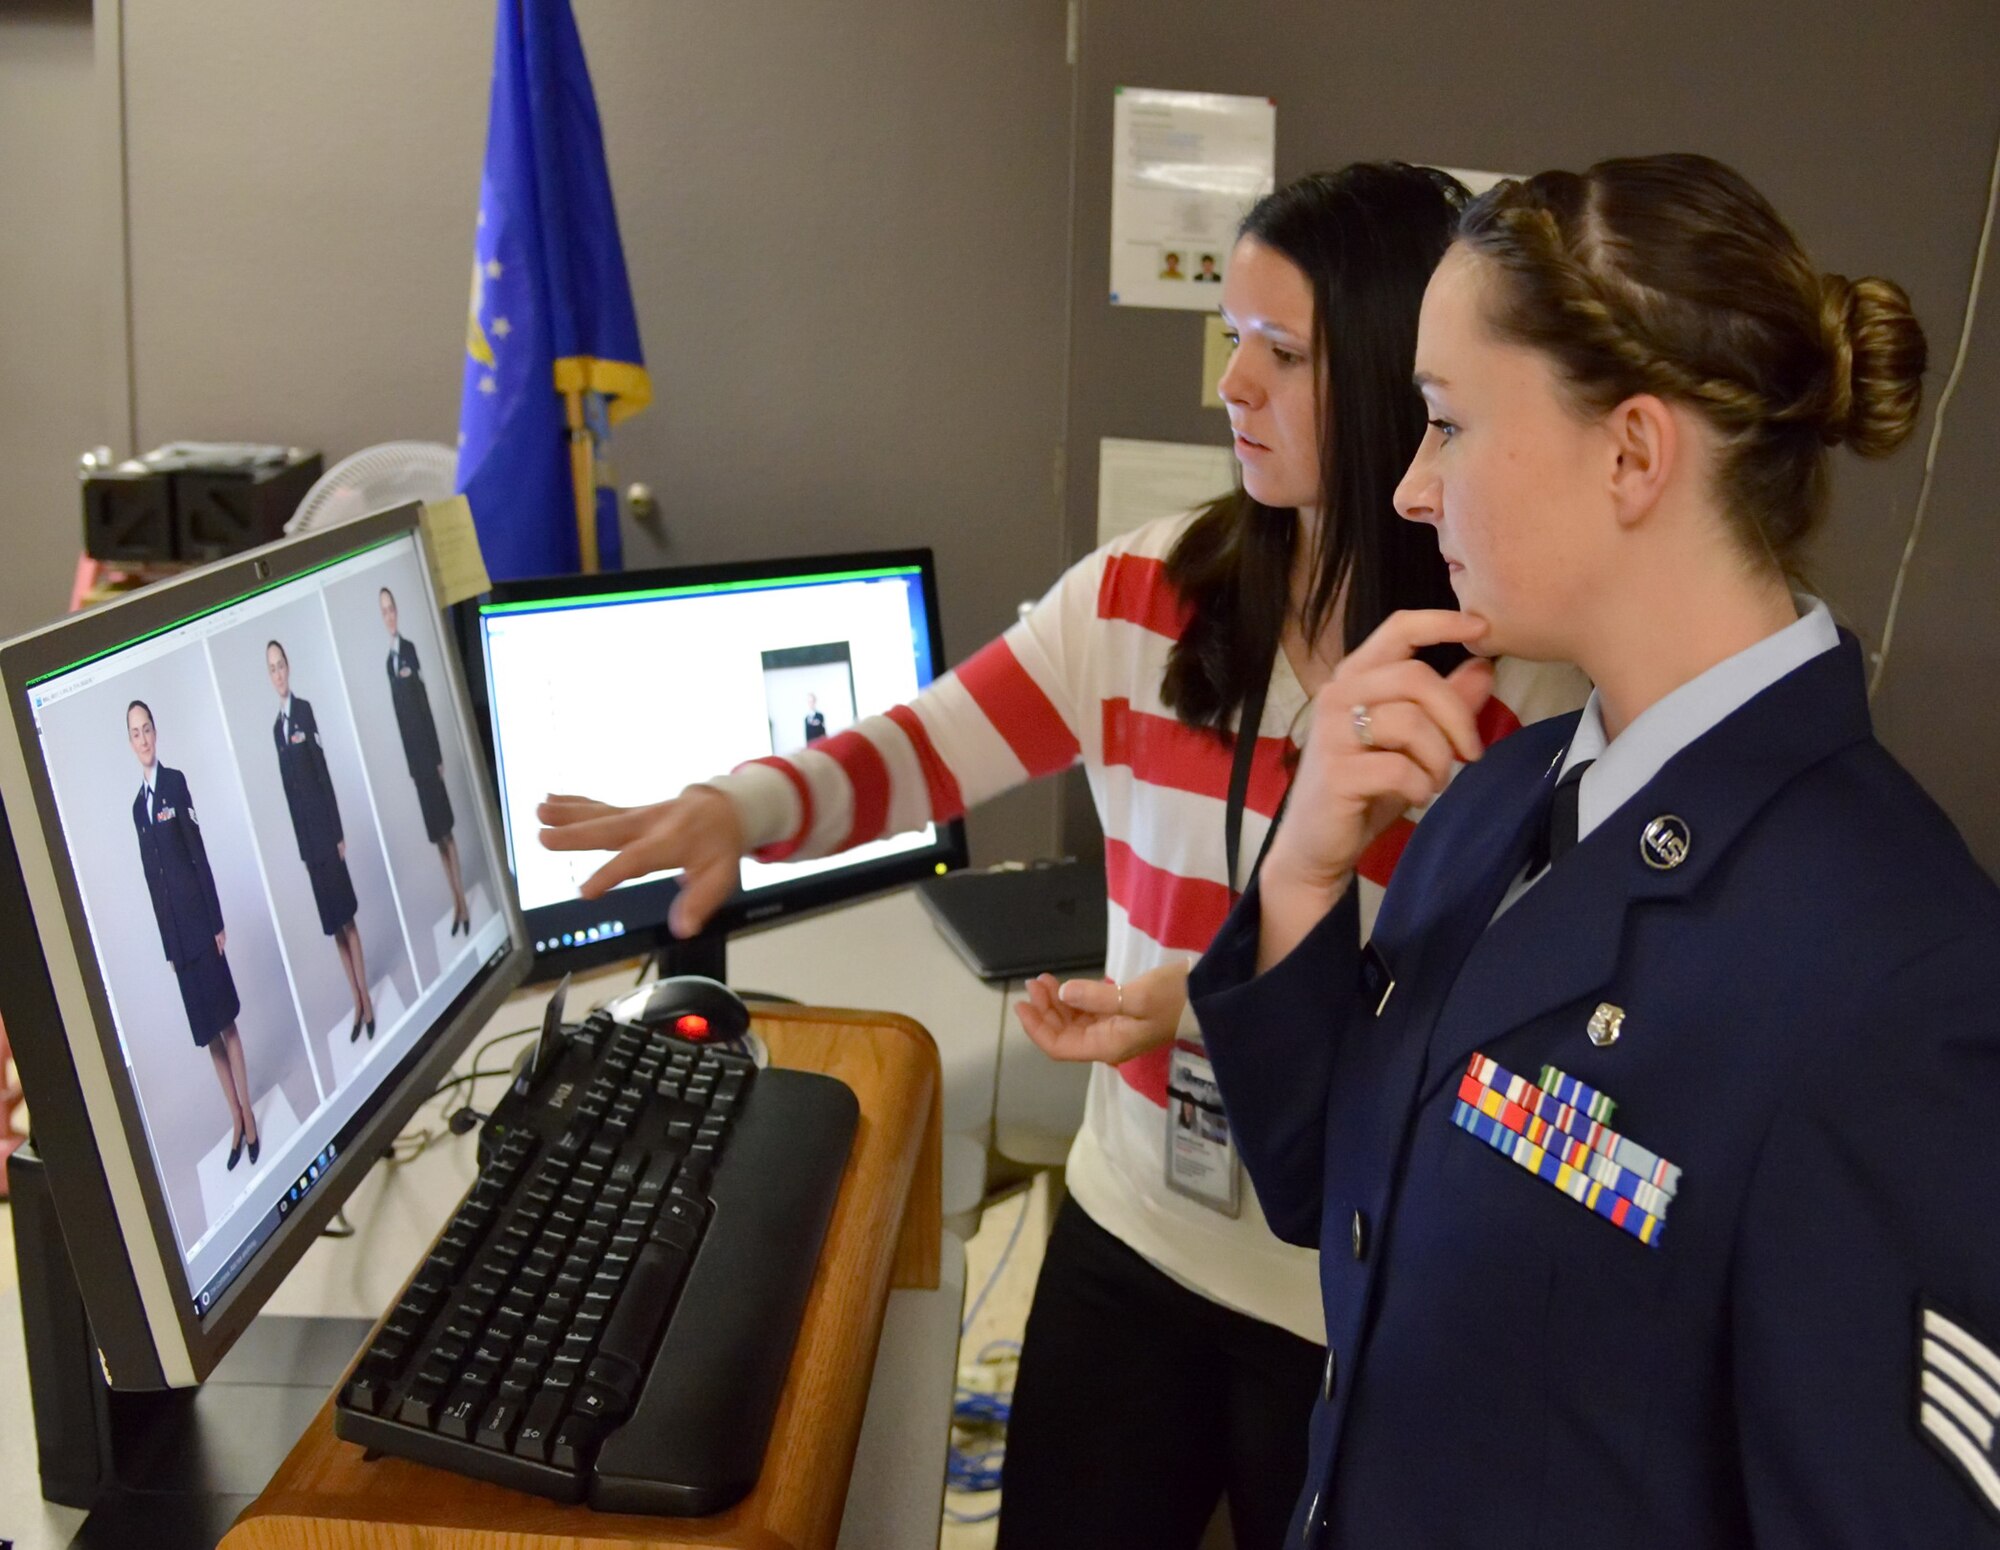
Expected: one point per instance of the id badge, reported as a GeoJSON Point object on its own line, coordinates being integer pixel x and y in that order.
{"type": "Point", "coordinates": [1201, 1159]}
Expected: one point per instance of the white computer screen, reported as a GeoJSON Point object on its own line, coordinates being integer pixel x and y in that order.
{"type": "Point", "coordinates": [270, 815]}
{"type": "Point", "coordinates": [630, 695]}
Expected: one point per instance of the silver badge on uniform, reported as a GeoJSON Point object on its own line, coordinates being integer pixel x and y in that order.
{"type": "Point", "coordinates": [1958, 1400]}
{"type": "Point", "coordinates": [1606, 1023]}
{"type": "Point", "coordinates": [1665, 843]}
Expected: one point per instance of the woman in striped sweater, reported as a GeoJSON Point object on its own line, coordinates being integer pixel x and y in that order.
{"type": "Point", "coordinates": [1173, 1349]}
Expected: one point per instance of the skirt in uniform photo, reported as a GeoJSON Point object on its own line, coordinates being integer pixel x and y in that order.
{"type": "Point", "coordinates": [436, 803]}
{"type": "Point", "coordinates": [333, 892]}
{"type": "Point", "coordinates": [208, 991]}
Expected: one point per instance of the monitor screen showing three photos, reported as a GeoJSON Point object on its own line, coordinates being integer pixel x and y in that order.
{"type": "Point", "coordinates": [273, 829]}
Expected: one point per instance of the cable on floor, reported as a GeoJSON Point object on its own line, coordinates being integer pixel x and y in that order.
{"type": "Point", "coordinates": [979, 1416]}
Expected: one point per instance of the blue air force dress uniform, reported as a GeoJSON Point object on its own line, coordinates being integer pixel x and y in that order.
{"type": "Point", "coordinates": [315, 812]}
{"type": "Point", "coordinates": [185, 903]}
{"type": "Point", "coordinates": [420, 738]}
{"type": "Point", "coordinates": [1656, 1195]}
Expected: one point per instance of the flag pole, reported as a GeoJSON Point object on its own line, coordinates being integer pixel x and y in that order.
{"type": "Point", "coordinates": [583, 480]}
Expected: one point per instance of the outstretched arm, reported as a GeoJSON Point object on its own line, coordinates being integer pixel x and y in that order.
{"type": "Point", "coordinates": [1012, 711]}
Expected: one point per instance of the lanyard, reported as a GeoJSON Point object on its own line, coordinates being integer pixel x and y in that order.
{"type": "Point", "coordinates": [1247, 725]}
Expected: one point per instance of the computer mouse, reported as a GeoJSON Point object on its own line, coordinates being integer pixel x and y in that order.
{"type": "Point", "coordinates": [695, 1007]}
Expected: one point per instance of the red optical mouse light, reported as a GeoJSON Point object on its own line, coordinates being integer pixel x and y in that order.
{"type": "Point", "coordinates": [691, 1024]}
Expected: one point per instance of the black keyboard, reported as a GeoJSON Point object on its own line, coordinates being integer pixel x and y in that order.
{"type": "Point", "coordinates": [610, 1313]}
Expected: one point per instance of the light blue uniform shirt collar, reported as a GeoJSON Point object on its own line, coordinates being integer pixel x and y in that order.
{"type": "Point", "coordinates": [1623, 766]}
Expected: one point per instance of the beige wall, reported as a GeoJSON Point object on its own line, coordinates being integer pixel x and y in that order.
{"type": "Point", "coordinates": [1871, 125]}
{"type": "Point", "coordinates": [850, 236]}
{"type": "Point", "coordinates": [53, 278]}
{"type": "Point", "coordinates": [846, 230]}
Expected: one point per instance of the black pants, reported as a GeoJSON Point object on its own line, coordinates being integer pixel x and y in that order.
{"type": "Point", "coordinates": [1140, 1404]}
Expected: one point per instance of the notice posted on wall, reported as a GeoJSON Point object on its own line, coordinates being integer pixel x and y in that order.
{"type": "Point", "coordinates": [1138, 481]}
{"type": "Point", "coordinates": [1186, 167]}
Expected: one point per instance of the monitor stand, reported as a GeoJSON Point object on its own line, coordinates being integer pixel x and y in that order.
{"type": "Point", "coordinates": [169, 1469]}
{"type": "Point", "coordinates": [706, 952]}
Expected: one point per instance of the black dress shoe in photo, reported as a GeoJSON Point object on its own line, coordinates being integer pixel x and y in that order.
{"type": "Point", "coordinates": [236, 1155]}
{"type": "Point", "coordinates": [253, 1151]}
{"type": "Point", "coordinates": [355, 1033]}
{"type": "Point", "coordinates": [371, 1027]}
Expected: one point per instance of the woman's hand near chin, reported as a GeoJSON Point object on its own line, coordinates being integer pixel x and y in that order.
{"type": "Point", "coordinates": [697, 831]}
{"type": "Point", "coordinates": [1419, 725]}
{"type": "Point", "coordinates": [1100, 1020]}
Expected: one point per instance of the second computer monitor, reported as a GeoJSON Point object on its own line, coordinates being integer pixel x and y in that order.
{"type": "Point", "coordinates": [252, 906]}
{"type": "Point", "coordinates": [628, 688]}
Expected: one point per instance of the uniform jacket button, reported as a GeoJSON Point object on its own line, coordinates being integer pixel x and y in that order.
{"type": "Point", "coordinates": [1359, 1236]}
{"type": "Point", "coordinates": [1330, 1381]}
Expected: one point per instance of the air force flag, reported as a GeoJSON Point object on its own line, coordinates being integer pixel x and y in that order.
{"type": "Point", "coordinates": [551, 308]}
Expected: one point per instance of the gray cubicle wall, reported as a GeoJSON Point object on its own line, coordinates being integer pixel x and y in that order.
{"type": "Point", "coordinates": [845, 226]}
{"type": "Point", "coordinates": [54, 229]}
{"type": "Point", "coordinates": [849, 233]}
{"type": "Point", "coordinates": [1871, 125]}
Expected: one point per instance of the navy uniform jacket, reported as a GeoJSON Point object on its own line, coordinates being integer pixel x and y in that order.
{"type": "Point", "coordinates": [176, 865]}
{"type": "Point", "coordinates": [308, 785]}
{"type": "Point", "coordinates": [413, 711]}
{"type": "Point", "coordinates": [1811, 1033]}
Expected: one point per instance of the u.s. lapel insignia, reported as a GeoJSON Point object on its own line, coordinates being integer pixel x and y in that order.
{"type": "Point", "coordinates": [1665, 843]}
{"type": "Point", "coordinates": [1560, 1131]}
{"type": "Point", "coordinates": [1958, 1400]}
{"type": "Point", "coordinates": [1606, 1023]}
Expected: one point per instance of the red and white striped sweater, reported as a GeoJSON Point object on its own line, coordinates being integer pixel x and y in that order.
{"type": "Point", "coordinates": [1079, 678]}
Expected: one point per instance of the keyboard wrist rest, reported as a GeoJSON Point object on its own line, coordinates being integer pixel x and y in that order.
{"type": "Point", "coordinates": [736, 1324]}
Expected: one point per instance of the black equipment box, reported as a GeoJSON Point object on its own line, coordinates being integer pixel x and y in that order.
{"type": "Point", "coordinates": [193, 501]}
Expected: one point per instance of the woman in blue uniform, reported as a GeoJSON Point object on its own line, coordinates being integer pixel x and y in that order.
{"type": "Point", "coordinates": [424, 756]}
{"type": "Point", "coordinates": [1651, 1145]}
{"type": "Point", "coordinates": [316, 824]}
{"type": "Point", "coordinates": [189, 913]}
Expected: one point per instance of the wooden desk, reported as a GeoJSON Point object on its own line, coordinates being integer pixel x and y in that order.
{"type": "Point", "coordinates": [884, 1233]}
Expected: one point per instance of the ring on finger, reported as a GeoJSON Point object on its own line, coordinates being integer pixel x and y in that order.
{"type": "Point", "coordinates": [1364, 726]}
{"type": "Point", "coordinates": [1121, 1001]}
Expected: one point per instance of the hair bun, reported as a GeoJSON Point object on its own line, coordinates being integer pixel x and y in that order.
{"type": "Point", "coordinates": [1878, 354]}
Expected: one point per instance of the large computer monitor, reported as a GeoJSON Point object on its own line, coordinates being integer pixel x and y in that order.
{"type": "Point", "coordinates": [193, 871]}
{"type": "Point", "coordinates": [629, 687]}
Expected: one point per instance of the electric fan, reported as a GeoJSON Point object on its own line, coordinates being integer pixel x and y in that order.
{"type": "Point", "coordinates": [375, 479]}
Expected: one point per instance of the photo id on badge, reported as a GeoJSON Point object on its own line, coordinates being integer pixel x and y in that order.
{"type": "Point", "coordinates": [1201, 1160]}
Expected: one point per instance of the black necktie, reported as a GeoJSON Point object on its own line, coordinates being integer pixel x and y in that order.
{"type": "Point", "coordinates": [1558, 833]}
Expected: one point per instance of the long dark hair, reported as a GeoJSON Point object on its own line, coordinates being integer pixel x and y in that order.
{"type": "Point", "coordinates": [1367, 237]}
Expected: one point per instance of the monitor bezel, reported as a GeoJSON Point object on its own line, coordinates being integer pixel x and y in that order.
{"type": "Point", "coordinates": [767, 906]}
{"type": "Point", "coordinates": [109, 1197]}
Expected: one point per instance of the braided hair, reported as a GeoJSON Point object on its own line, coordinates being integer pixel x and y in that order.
{"type": "Point", "coordinates": [1671, 275]}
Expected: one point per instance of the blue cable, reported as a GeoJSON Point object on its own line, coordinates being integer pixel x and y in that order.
{"type": "Point", "coordinates": [965, 1470]}
{"type": "Point", "coordinates": [999, 1265]}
